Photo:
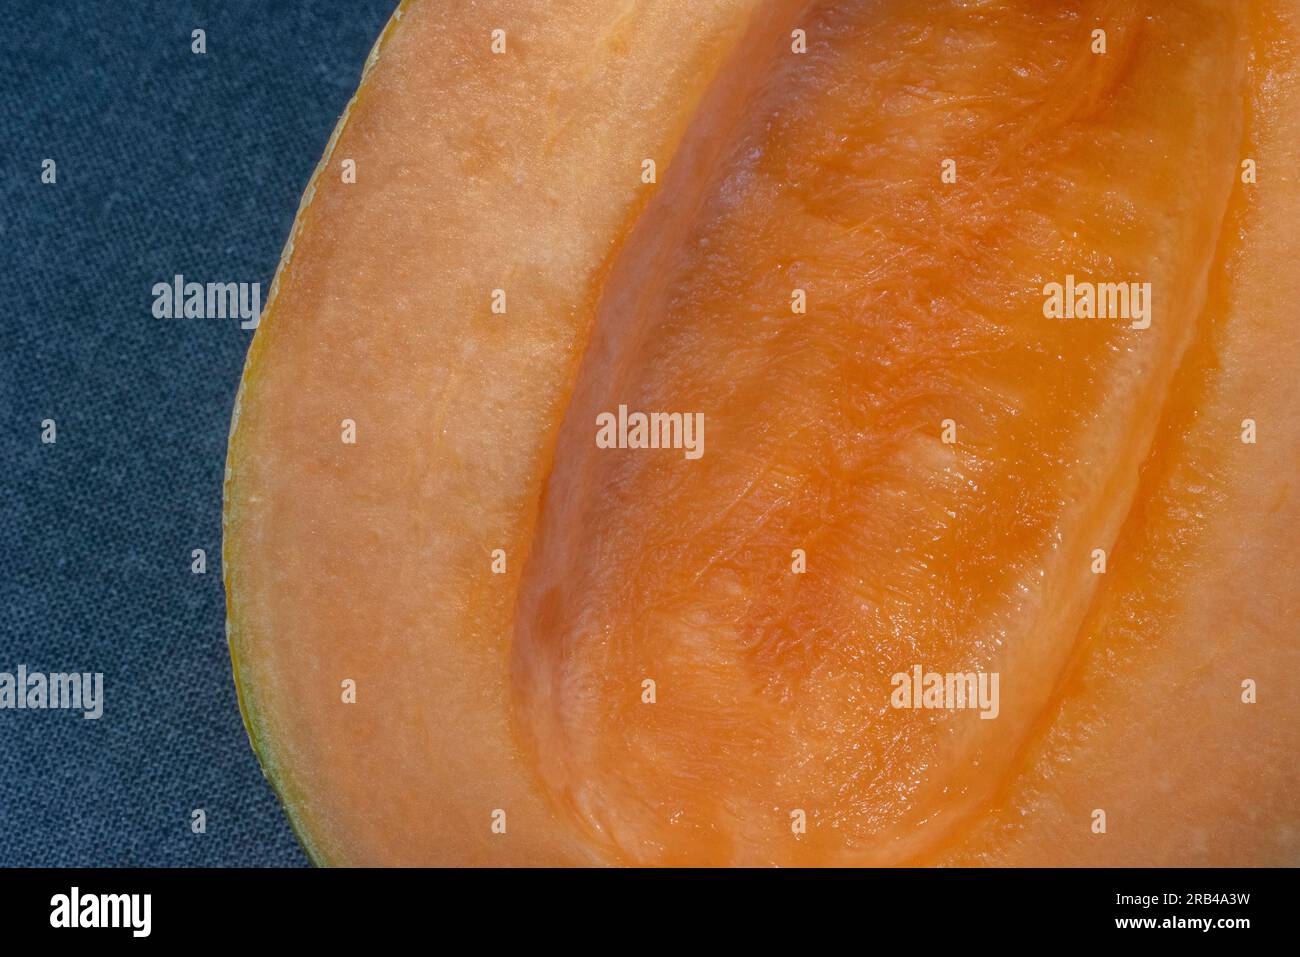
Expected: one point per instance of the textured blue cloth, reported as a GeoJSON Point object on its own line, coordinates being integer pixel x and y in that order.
{"type": "Point", "coordinates": [167, 162]}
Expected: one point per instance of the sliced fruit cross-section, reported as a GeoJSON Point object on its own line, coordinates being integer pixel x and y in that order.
{"type": "Point", "coordinates": [829, 233]}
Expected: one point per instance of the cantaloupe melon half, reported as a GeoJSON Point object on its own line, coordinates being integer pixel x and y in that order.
{"type": "Point", "coordinates": [466, 633]}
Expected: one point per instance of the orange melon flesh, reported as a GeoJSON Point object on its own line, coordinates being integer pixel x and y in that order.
{"type": "Point", "coordinates": [522, 692]}
{"type": "Point", "coordinates": [372, 562]}
{"type": "Point", "coordinates": [1201, 596]}
{"type": "Point", "coordinates": [823, 430]}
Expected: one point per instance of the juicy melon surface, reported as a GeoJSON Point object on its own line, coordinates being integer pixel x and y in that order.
{"type": "Point", "coordinates": [480, 693]}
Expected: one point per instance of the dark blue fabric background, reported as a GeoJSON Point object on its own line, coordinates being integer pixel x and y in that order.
{"type": "Point", "coordinates": [168, 163]}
